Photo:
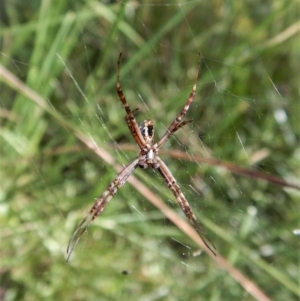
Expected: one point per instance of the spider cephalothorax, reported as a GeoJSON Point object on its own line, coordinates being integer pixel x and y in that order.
{"type": "Point", "coordinates": [143, 135]}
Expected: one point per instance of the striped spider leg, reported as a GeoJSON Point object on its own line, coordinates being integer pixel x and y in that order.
{"type": "Point", "coordinates": [143, 135]}
{"type": "Point", "coordinates": [100, 204]}
{"type": "Point", "coordinates": [183, 203]}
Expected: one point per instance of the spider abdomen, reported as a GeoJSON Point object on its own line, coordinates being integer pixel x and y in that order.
{"type": "Point", "coordinates": [147, 130]}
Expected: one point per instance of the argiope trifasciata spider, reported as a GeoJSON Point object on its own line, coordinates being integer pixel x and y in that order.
{"type": "Point", "coordinates": [143, 135]}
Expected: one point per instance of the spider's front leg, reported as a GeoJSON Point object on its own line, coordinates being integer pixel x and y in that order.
{"type": "Point", "coordinates": [100, 204]}
{"type": "Point", "coordinates": [183, 203]}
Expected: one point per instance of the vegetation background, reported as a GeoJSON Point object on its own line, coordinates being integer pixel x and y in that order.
{"type": "Point", "coordinates": [58, 68]}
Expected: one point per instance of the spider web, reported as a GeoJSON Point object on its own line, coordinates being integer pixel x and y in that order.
{"type": "Point", "coordinates": [243, 134]}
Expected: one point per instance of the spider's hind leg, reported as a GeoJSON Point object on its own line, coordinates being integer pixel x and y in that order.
{"type": "Point", "coordinates": [130, 119]}
{"type": "Point", "coordinates": [183, 123]}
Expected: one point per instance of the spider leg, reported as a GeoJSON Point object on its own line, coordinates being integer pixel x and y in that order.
{"type": "Point", "coordinates": [130, 119]}
{"type": "Point", "coordinates": [182, 201]}
{"type": "Point", "coordinates": [177, 124]}
{"type": "Point", "coordinates": [100, 204]}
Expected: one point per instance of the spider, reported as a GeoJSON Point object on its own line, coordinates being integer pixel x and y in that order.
{"type": "Point", "coordinates": [143, 135]}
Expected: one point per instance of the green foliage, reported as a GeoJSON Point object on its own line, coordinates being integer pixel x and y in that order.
{"type": "Point", "coordinates": [246, 112]}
